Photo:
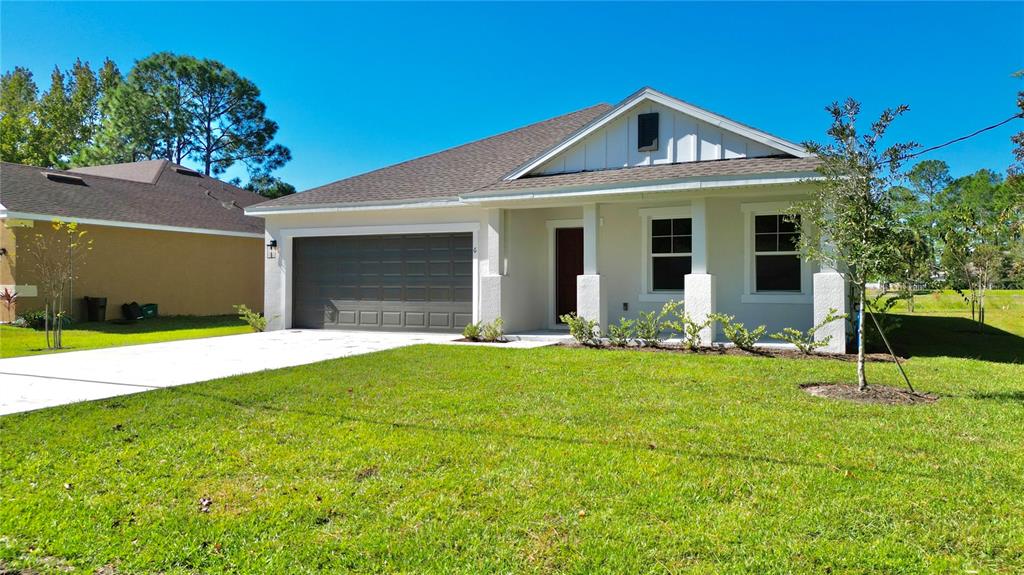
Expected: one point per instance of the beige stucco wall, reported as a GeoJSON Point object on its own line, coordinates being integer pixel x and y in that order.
{"type": "Point", "coordinates": [184, 273]}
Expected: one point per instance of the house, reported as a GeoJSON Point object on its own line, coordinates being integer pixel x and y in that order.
{"type": "Point", "coordinates": [161, 233]}
{"type": "Point", "coordinates": [606, 211]}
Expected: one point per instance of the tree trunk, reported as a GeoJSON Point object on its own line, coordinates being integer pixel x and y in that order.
{"type": "Point", "coordinates": [46, 324]}
{"type": "Point", "coordinates": [862, 381]}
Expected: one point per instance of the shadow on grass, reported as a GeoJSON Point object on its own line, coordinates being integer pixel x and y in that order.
{"type": "Point", "coordinates": [1010, 396]}
{"type": "Point", "coordinates": [157, 324]}
{"type": "Point", "coordinates": [943, 336]}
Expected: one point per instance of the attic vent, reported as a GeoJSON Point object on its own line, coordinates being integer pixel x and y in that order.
{"type": "Point", "coordinates": [188, 172]}
{"type": "Point", "coordinates": [64, 178]}
{"type": "Point", "coordinates": [647, 132]}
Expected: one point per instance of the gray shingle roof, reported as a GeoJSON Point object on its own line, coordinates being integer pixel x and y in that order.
{"type": "Point", "coordinates": [449, 173]}
{"type": "Point", "coordinates": [172, 199]}
{"type": "Point", "coordinates": [647, 174]}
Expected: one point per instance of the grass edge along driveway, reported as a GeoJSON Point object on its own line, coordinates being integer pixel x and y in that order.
{"type": "Point", "coordinates": [21, 341]}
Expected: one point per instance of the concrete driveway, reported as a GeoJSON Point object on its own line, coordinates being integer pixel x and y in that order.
{"type": "Point", "coordinates": [28, 383]}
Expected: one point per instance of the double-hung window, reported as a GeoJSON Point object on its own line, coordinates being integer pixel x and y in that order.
{"type": "Point", "coordinates": [776, 254]}
{"type": "Point", "coordinates": [671, 244]}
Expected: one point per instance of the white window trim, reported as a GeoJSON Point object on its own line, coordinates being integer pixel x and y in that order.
{"type": "Point", "coordinates": [804, 296]}
{"type": "Point", "coordinates": [646, 215]}
{"type": "Point", "coordinates": [553, 225]}
{"type": "Point", "coordinates": [285, 237]}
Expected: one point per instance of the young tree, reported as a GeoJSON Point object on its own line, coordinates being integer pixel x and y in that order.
{"type": "Point", "coordinates": [55, 257]}
{"type": "Point", "coordinates": [979, 225]}
{"type": "Point", "coordinates": [849, 219]}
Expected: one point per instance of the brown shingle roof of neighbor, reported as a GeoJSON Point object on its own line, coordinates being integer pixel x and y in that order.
{"type": "Point", "coordinates": [647, 174]}
{"type": "Point", "coordinates": [174, 196]}
{"type": "Point", "coordinates": [448, 173]}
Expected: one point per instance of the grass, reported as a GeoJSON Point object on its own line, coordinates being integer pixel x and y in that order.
{"type": "Point", "coordinates": [941, 325]}
{"type": "Point", "coordinates": [441, 459]}
{"type": "Point", "coordinates": [19, 341]}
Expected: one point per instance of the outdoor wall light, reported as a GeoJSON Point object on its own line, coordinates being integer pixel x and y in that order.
{"type": "Point", "coordinates": [3, 252]}
{"type": "Point", "coordinates": [271, 249]}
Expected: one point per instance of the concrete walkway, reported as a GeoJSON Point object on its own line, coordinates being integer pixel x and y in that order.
{"type": "Point", "coordinates": [34, 382]}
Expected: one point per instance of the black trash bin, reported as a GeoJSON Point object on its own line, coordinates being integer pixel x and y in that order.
{"type": "Point", "coordinates": [96, 308]}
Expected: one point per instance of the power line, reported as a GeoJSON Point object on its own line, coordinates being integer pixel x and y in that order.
{"type": "Point", "coordinates": [960, 139]}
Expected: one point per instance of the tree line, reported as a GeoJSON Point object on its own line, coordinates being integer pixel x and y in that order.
{"type": "Point", "coordinates": [168, 106]}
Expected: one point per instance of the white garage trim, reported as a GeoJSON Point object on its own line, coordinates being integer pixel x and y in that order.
{"type": "Point", "coordinates": [287, 234]}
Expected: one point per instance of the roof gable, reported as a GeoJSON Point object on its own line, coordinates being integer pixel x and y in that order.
{"type": "Point", "coordinates": [687, 134]}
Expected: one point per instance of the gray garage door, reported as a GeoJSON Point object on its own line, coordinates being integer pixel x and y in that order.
{"type": "Point", "coordinates": [414, 282]}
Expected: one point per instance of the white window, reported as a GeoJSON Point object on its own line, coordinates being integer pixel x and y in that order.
{"type": "Point", "coordinates": [775, 271]}
{"type": "Point", "coordinates": [776, 254]}
{"type": "Point", "coordinates": [667, 252]}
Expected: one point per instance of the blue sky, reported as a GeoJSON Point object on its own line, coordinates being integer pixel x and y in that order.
{"type": "Point", "coordinates": [360, 86]}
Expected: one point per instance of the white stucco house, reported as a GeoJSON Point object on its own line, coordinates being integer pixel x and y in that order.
{"type": "Point", "coordinates": [605, 211]}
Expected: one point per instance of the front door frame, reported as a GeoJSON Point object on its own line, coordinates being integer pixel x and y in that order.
{"type": "Point", "coordinates": [553, 225]}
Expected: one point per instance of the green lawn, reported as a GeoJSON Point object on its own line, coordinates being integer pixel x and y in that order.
{"type": "Point", "coordinates": [18, 341]}
{"type": "Point", "coordinates": [441, 459]}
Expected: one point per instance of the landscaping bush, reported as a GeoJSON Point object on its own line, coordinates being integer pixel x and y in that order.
{"type": "Point", "coordinates": [649, 328]}
{"type": "Point", "coordinates": [583, 330]}
{"type": "Point", "coordinates": [36, 319]}
{"type": "Point", "coordinates": [738, 333]}
{"type": "Point", "coordinates": [621, 334]}
{"type": "Point", "coordinates": [805, 342]}
{"type": "Point", "coordinates": [471, 331]}
{"type": "Point", "coordinates": [493, 331]}
{"type": "Point", "coordinates": [255, 319]}
{"type": "Point", "coordinates": [688, 329]}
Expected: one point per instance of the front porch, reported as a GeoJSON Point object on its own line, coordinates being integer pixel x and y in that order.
{"type": "Point", "coordinates": [608, 260]}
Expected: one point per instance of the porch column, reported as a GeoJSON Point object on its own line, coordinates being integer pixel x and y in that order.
{"type": "Point", "coordinates": [590, 296]}
{"type": "Point", "coordinates": [492, 277]}
{"type": "Point", "coordinates": [699, 285]}
{"type": "Point", "coordinates": [830, 293]}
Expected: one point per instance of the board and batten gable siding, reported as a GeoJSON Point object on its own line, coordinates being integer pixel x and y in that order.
{"type": "Point", "coordinates": [681, 138]}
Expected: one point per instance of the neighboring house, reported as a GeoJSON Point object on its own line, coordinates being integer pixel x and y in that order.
{"type": "Point", "coordinates": [161, 234]}
{"type": "Point", "coordinates": [606, 212]}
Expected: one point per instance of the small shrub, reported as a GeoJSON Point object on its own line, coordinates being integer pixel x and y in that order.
{"type": "Point", "coordinates": [493, 331]}
{"type": "Point", "coordinates": [649, 328]}
{"type": "Point", "coordinates": [738, 333]}
{"type": "Point", "coordinates": [36, 319]}
{"type": "Point", "coordinates": [805, 342]}
{"type": "Point", "coordinates": [8, 297]}
{"type": "Point", "coordinates": [255, 319]}
{"type": "Point", "coordinates": [621, 334]}
{"type": "Point", "coordinates": [688, 329]}
{"type": "Point", "coordinates": [583, 330]}
{"type": "Point", "coordinates": [471, 331]}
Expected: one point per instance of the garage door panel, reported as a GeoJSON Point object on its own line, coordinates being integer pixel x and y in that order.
{"type": "Point", "coordinates": [421, 281]}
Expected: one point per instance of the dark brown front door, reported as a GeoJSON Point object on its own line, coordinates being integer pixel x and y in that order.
{"type": "Point", "coordinates": [568, 265]}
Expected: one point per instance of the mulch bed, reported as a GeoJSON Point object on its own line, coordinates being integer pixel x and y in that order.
{"type": "Point", "coordinates": [735, 351]}
{"type": "Point", "coordinates": [873, 394]}
{"type": "Point", "coordinates": [467, 340]}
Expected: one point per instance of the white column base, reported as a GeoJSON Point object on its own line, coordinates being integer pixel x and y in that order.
{"type": "Point", "coordinates": [490, 298]}
{"type": "Point", "coordinates": [830, 293]}
{"type": "Point", "coordinates": [699, 302]}
{"type": "Point", "coordinates": [590, 299]}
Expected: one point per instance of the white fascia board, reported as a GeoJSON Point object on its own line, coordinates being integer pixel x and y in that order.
{"type": "Point", "coordinates": [673, 186]}
{"type": "Point", "coordinates": [673, 103]}
{"type": "Point", "coordinates": [360, 207]}
{"type": "Point", "coordinates": [4, 214]}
